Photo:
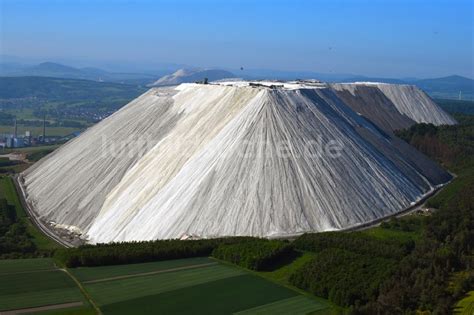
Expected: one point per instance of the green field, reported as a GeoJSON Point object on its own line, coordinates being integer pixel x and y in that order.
{"type": "Point", "coordinates": [113, 291]}
{"type": "Point", "coordinates": [209, 289]}
{"type": "Point", "coordinates": [8, 266]}
{"type": "Point", "coordinates": [387, 234]}
{"type": "Point", "coordinates": [37, 131]}
{"type": "Point", "coordinates": [85, 274]}
{"type": "Point", "coordinates": [32, 150]}
{"type": "Point", "coordinates": [32, 154]}
{"type": "Point", "coordinates": [282, 274]}
{"type": "Point", "coordinates": [28, 283]}
{"type": "Point", "coordinates": [198, 285]}
{"type": "Point", "coordinates": [225, 296]}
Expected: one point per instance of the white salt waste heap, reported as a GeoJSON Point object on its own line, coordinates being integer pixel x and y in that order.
{"type": "Point", "coordinates": [410, 101]}
{"type": "Point", "coordinates": [239, 158]}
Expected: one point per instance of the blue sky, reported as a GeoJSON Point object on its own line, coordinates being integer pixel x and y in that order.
{"type": "Point", "coordinates": [387, 38]}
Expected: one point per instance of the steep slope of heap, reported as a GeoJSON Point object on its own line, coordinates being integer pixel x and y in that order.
{"type": "Point", "coordinates": [232, 160]}
{"type": "Point", "coordinates": [408, 100]}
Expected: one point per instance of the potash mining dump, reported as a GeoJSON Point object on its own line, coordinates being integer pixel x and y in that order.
{"type": "Point", "coordinates": [268, 159]}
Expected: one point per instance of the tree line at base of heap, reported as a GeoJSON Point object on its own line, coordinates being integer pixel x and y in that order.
{"type": "Point", "coordinates": [15, 242]}
{"type": "Point", "coordinates": [139, 252]}
{"type": "Point", "coordinates": [260, 254]}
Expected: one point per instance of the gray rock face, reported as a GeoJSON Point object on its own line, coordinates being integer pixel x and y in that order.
{"type": "Point", "coordinates": [235, 159]}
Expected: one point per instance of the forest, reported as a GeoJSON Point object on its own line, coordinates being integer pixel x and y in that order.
{"type": "Point", "coordinates": [15, 242]}
{"type": "Point", "coordinates": [138, 252]}
{"type": "Point", "coordinates": [260, 254]}
{"type": "Point", "coordinates": [343, 276]}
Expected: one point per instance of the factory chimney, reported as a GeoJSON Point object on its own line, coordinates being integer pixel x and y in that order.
{"type": "Point", "coordinates": [15, 129]}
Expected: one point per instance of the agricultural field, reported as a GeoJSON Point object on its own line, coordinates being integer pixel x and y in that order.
{"type": "Point", "coordinates": [209, 286]}
{"type": "Point", "coordinates": [32, 154]}
{"type": "Point", "coordinates": [38, 284]}
{"type": "Point", "coordinates": [16, 160]}
{"type": "Point", "coordinates": [404, 229]}
{"type": "Point", "coordinates": [36, 131]}
{"type": "Point", "coordinates": [8, 266]}
{"type": "Point", "coordinates": [164, 287]}
{"type": "Point", "coordinates": [91, 274]}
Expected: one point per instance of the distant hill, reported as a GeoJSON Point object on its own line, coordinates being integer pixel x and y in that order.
{"type": "Point", "coordinates": [58, 88]}
{"type": "Point", "coordinates": [50, 69]}
{"type": "Point", "coordinates": [445, 87]}
{"type": "Point", "coordinates": [64, 99]}
{"type": "Point", "coordinates": [448, 87]}
{"type": "Point", "coordinates": [56, 70]}
{"type": "Point", "coordinates": [189, 75]}
{"type": "Point", "coordinates": [456, 106]}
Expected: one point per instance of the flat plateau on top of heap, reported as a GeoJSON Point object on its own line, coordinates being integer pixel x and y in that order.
{"type": "Point", "coordinates": [271, 84]}
{"type": "Point", "coordinates": [286, 85]}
